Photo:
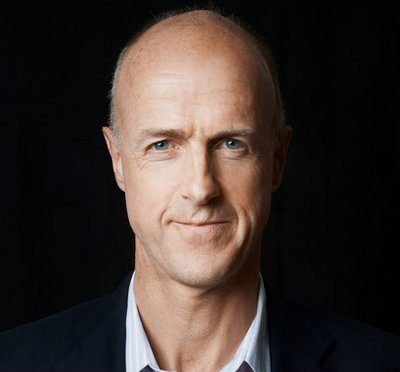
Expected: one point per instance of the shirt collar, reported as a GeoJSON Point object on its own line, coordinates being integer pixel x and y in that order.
{"type": "Point", "coordinates": [253, 349]}
{"type": "Point", "coordinates": [138, 350]}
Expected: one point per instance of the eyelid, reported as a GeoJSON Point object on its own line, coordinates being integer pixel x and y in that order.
{"type": "Point", "coordinates": [158, 141]}
{"type": "Point", "coordinates": [151, 145]}
{"type": "Point", "coordinates": [242, 143]}
{"type": "Point", "coordinates": [220, 143]}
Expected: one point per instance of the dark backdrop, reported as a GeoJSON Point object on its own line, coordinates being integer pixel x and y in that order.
{"type": "Point", "coordinates": [333, 234]}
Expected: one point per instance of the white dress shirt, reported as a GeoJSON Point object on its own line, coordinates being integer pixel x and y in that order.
{"type": "Point", "coordinates": [252, 352]}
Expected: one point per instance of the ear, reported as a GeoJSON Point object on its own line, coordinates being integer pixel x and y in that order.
{"type": "Point", "coordinates": [115, 157]}
{"type": "Point", "coordinates": [281, 147]}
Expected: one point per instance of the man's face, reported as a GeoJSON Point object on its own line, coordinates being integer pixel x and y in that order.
{"type": "Point", "coordinates": [196, 165]}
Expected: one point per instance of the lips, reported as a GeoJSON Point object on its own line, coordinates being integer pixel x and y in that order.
{"type": "Point", "coordinates": [200, 223]}
{"type": "Point", "coordinates": [200, 227]}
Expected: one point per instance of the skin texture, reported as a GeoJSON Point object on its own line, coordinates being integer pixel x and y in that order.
{"type": "Point", "coordinates": [195, 112]}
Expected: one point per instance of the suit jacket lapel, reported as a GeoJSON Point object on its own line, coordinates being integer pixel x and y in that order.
{"type": "Point", "coordinates": [297, 342]}
{"type": "Point", "coordinates": [100, 337]}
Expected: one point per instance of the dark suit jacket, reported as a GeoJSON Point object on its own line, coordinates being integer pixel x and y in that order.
{"type": "Point", "coordinates": [91, 337]}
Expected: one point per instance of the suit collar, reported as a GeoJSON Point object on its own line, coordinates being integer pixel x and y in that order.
{"type": "Point", "coordinates": [297, 341]}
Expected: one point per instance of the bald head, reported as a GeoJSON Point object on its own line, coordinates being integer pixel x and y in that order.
{"type": "Point", "coordinates": [196, 43]}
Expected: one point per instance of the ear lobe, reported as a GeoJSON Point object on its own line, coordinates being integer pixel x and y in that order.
{"type": "Point", "coordinates": [115, 157]}
{"type": "Point", "coordinates": [279, 160]}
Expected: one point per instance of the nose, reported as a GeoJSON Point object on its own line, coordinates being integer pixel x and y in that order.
{"type": "Point", "coordinates": [200, 185]}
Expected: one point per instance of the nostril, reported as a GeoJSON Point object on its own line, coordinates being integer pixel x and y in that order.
{"type": "Point", "coordinates": [201, 189]}
{"type": "Point", "coordinates": [204, 191]}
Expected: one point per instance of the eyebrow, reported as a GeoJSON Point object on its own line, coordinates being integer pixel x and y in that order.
{"type": "Point", "coordinates": [180, 133]}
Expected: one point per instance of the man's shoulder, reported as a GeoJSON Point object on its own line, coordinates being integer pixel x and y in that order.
{"type": "Point", "coordinates": [352, 341]}
{"type": "Point", "coordinates": [42, 342]}
{"type": "Point", "coordinates": [51, 334]}
{"type": "Point", "coordinates": [46, 339]}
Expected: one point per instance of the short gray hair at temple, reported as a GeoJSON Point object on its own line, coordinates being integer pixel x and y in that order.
{"type": "Point", "coordinates": [248, 35]}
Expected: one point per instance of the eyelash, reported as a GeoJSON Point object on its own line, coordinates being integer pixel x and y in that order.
{"type": "Point", "coordinates": [242, 145]}
{"type": "Point", "coordinates": [155, 143]}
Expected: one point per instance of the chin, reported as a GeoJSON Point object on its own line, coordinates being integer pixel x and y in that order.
{"type": "Point", "coordinates": [206, 275]}
{"type": "Point", "coordinates": [199, 281]}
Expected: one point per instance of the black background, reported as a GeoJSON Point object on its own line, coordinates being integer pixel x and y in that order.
{"type": "Point", "coordinates": [333, 233]}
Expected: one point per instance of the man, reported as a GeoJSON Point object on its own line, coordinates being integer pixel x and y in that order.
{"type": "Point", "coordinates": [198, 143]}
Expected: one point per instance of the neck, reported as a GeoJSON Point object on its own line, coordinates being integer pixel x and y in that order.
{"type": "Point", "coordinates": [196, 329]}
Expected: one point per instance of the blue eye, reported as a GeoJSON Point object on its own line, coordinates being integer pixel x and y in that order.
{"type": "Point", "coordinates": [162, 145]}
{"type": "Point", "coordinates": [232, 144]}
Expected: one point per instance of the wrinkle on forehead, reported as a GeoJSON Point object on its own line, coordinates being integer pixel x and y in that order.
{"type": "Point", "coordinates": [189, 44]}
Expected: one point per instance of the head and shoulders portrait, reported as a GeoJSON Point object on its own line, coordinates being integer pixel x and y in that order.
{"type": "Point", "coordinates": [198, 143]}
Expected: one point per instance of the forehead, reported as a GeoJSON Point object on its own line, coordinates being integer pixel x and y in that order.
{"type": "Point", "coordinates": [192, 70]}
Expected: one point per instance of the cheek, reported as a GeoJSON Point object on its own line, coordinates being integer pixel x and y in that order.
{"type": "Point", "coordinates": [148, 192]}
{"type": "Point", "coordinates": [248, 189]}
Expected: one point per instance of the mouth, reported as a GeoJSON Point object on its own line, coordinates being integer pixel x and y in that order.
{"type": "Point", "coordinates": [200, 227]}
